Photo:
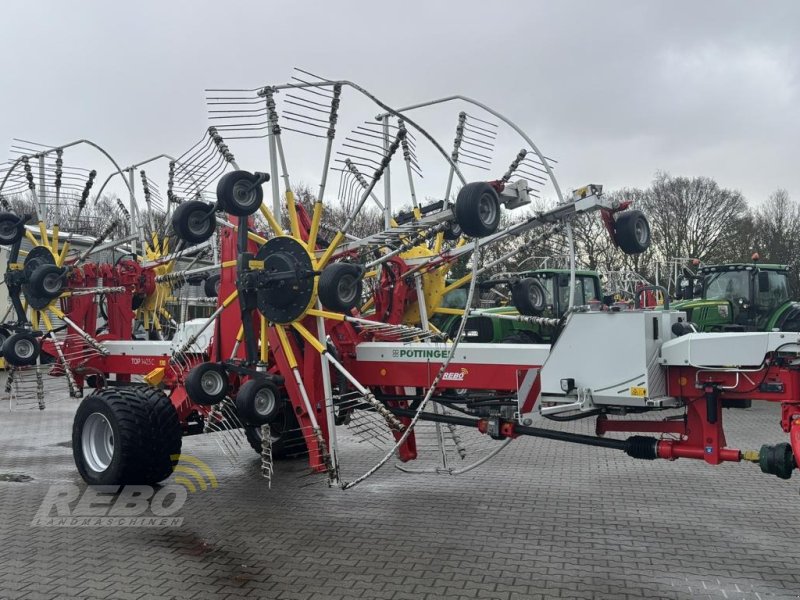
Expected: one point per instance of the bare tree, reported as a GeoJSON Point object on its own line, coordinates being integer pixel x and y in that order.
{"type": "Point", "coordinates": [776, 232]}
{"type": "Point", "coordinates": [693, 217]}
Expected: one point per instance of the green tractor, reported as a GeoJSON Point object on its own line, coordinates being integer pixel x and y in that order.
{"type": "Point", "coordinates": [554, 282]}
{"type": "Point", "coordinates": [738, 297]}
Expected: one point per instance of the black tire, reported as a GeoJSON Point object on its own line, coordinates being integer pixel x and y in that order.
{"type": "Point", "coordinates": [259, 402]}
{"type": "Point", "coordinates": [11, 229]}
{"type": "Point", "coordinates": [340, 286]}
{"type": "Point", "coordinates": [452, 231]}
{"type": "Point", "coordinates": [166, 431]}
{"type": "Point", "coordinates": [522, 337]}
{"type": "Point", "coordinates": [239, 193]}
{"type": "Point", "coordinates": [211, 286]}
{"type": "Point", "coordinates": [21, 349]}
{"type": "Point", "coordinates": [48, 281]}
{"type": "Point", "coordinates": [125, 436]}
{"type": "Point", "coordinates": [632, 232]}
{"type": "Point", "coordinates": [287, 438]}
{"type": "Point", "coordinates": [478, 209]}
{"type": "Point", "coordinates": [194, 221]}
{"type": "Point", "coordinates": [528, 296]}
{"type": "Point", "coordinates": [207, 384]}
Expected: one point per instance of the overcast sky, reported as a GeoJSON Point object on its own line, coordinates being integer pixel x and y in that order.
{"type": "Point", "coordinates": [614, 90]}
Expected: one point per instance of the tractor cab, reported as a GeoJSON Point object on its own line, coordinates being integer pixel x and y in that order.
{"type": "Point", "coordinates": [738, 297]}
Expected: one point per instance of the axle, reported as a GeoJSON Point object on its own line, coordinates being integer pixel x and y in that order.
{"type": "Point", "coordinates": [776, 460]}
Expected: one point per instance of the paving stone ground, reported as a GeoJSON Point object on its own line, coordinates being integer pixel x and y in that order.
{"type": "Point", "coordinates": [542, 520]}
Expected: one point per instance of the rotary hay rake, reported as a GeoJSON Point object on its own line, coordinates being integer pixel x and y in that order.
{"type": "Point", "coordinates": [77, 301]}
{"type": "Point", "coordinates": [298, 306]}
{"type": "Point", "coordinates": [321, 332]}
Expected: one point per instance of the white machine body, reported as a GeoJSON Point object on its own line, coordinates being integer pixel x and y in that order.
{"type": "Point", "coordinates": [726, 350]}
{"type": "Point", "coordinates": [607, 358]}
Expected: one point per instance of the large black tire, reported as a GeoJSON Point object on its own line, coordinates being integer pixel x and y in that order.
{"type": "Point", "coordinates": [478, 209]}
{"type": "Point", "coordinates": [239, 193]}
{"type": "Point", "coordinates": [207, 384]}
{"type": "Point", "coordinates": [21, 349]}
{"type": "Point", "coordinates": [11, 229]}
{"type": "Point", "coordinates": [632, 232]}
{"type": "Point", "coordinates": [287, 438]}
{"type": "Point", "coordinates": [125, 436]}
{"type": "Point", "coordinates": [194, 221]}
{"type": "Point", "coordinates": [528, 296]}
{"type": "Point", "coordinates": [340, 286]}
{"type": "Point", "coordinates": [258, 402]}
{"type": "Point", "coordinates": [166, 429]}
{"type": "Point", "coordinates": [211, 286]}
{"type": "Point", "coordinates": [47, 281]}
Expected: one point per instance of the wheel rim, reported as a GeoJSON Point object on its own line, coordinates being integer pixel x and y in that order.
{"type": "Point", "coordinates": [244, 193]}
{"type": "Point", "coordinates": [487, 209]}
{"type": "Point", "coordinates": [7, 230]}
{"type": "Point", "coordinates": [640, 231]}
{"type": "Point", "coordinates": [198, 222]}
{"type": "Point", "coordinates": [346, 289]}
{"type": "Point", "coordinates": [24, 348]}
{"type": "Point", "coordinates": [212, 383]}
{"type": "Point", "coordinates": [97, 442]}
{"type": "Point", "coordinates": [264, 402]}
{"type": "Point", "coordinates": [535, 295]}
{"type": "Point", "coordinates": [52, 283]}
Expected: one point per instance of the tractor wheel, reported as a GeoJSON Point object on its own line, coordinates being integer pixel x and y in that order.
{"type": "Point", "coordinates": [11, 229]}
{"type": "Point", "coordinates": [124, 436]}
{"type": "Point", "coordinates": [207, 384]}
{"type": "Point", "coordinates": [287, 439]}
{"type": "Point", "coordinates": [632, 232]}
{"type": "Point", "coordinates": [340, 286]}
{"type": "Point", "coordinates": [528, 296]}
{"type": "Point", "coordinates": [48, 281]}
{"type": "Point", "coordinates": [21, 349]}
{"type": "Point", "coordinates": [258, 402]}
{"type": "Point", "coordinates": [478, 209]}
{"type": "Point", "coordinates": [239, 193]}
{"type": "Point", "coordinates": [194, 221]}
{"type": "Point", "coordinates": [211, 286]}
